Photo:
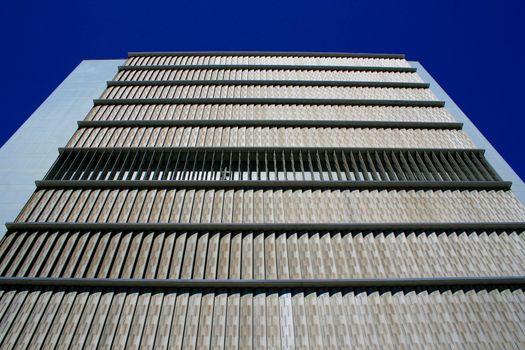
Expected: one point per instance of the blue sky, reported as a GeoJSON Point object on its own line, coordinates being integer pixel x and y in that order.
{"type": "Point", "coordinates": [474, 49]}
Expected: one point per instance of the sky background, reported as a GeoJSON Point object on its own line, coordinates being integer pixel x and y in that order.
{"type": "Point", "coordinates": [474, 49]}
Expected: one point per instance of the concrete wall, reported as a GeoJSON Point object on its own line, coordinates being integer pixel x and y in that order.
{"type": "Point", "coordinates": [31, 151]}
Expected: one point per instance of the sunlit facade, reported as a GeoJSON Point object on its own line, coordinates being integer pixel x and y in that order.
{"type": "Point", "coordinates": [266, 200]}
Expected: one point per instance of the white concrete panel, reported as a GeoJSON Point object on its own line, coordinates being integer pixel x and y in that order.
{"type": "Point", "coordinates": [33, 148]}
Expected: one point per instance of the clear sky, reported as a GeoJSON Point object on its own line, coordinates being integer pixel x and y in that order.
{"type": "Point", "coordinates": [474, 49]}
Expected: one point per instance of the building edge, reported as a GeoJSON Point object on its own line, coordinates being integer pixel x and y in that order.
{"type": "Point", "coordinates": [491, 154]}
{"type": "Point", "coordinates": [31, 150]}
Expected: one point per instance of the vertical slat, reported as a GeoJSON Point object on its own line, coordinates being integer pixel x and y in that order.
{"type": "Point", "coordinates": [415, 169]}
{"type": "Point", "coordinates": [165, 318]}
{"type": "Point", "coordinates": [123, 171]}
{"type": "Point", "coordinates": [453, 173]}
{"type": "Point", "coordinates": [473, 167]}
{"type": "Point", "coordinates": [23, 254]}
{"type": "Point", "coordinates": [203, 338]}
{"type": "Point", "coordinates": [315, 335]}
{"type": "Point", "coordinates": [481, 164]}
{"type": "Point", "coordinates": [246, 317]}
{"type": "Point", "coordinates": [462, 173]}
{"type": "Point", "coordinates": [86, 320]}
{"type": "Point", "coordinates": [133, 167]}
{"type": "Point", "coordinates": [259, 272]}
{"type": "Point", "coordinates": [97, 168]}
{"type": "Point", "coordinates": [350, 175]}
{"type": "Point", "coordinates": [72, 172]}
{"type": "Point", "coordinates": [85, 170]}
{"type": "Point", "coordinates": [435, 162]}
{"type": "Point", "coordinates": [8, 246]}
{"type": "Point", "coordinates": [97, 324]}
{"type": "Point", "coordinates": [151, 321]}
{"type": "Point", "coordinates": [112, 173]}
{"type": "Point", "coordinates": [300, 321]}
{"type": "Point", "coordinates": [404, 165]}
{"type": "Point", "coordinates": [468, 168]}
{"type": "Point", "coordinates": [286, 320]}
{"type": "Point", "coordinates": [44, 253]}
{"type": "Point", "coordinates": [392, 173]}
{"type": "Point", "coordinates": [192, 320]}
{"type": "Point", "coordinates": [126, 318]}
{"type": "Point", "coordinates": [178, 254]}
{"type": "Point", "coordinates": [365, 171]}
{"type": "Point", "coordinates": [218, 334]}
{"type": "Point", "coordinates": [152, 263]}
{"type": "Point", "coordinates": [373, 170]}
{"type": "Point", "coordinates": [42, 326]}
{"type": "Point", "coordinates": [168, 168]}
{"type": "Point", "coordinates": [427, 174]}
{"type": "Point", "coordinates": [64, 305]}
{"type": "Point", "coordinates": [117, 264]}
{"type": "Point", "coordinates": [19, 320]}
{"type": "Point", "coordinates": [259, 320]}
{"type": "Point", "coordinates": [131, 255]}
{"type": "Point", "coordinates": [355, 169]}
{"type": "Point", "coordinates": [382, 173]}
{"type": "Point", "coordinates": [232, 320]}
{"type": "Point", "coordinates": [109, 162]}
{"type": "Point", "coordinates": [399, 170]}
{"type": "Point", "coordinates": [273, 325]}
{"type": "Point", "coordinates": [60, 163]}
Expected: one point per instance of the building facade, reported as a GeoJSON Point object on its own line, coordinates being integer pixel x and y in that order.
{"type": "Point", "coordinates": [265, 200]}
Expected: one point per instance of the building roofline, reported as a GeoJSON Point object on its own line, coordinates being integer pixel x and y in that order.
{"type": "Point", "coordinates": [266, 53]}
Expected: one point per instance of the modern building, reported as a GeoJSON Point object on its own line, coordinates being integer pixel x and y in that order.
{"type": "Point", "coordinates": [265, 200]}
